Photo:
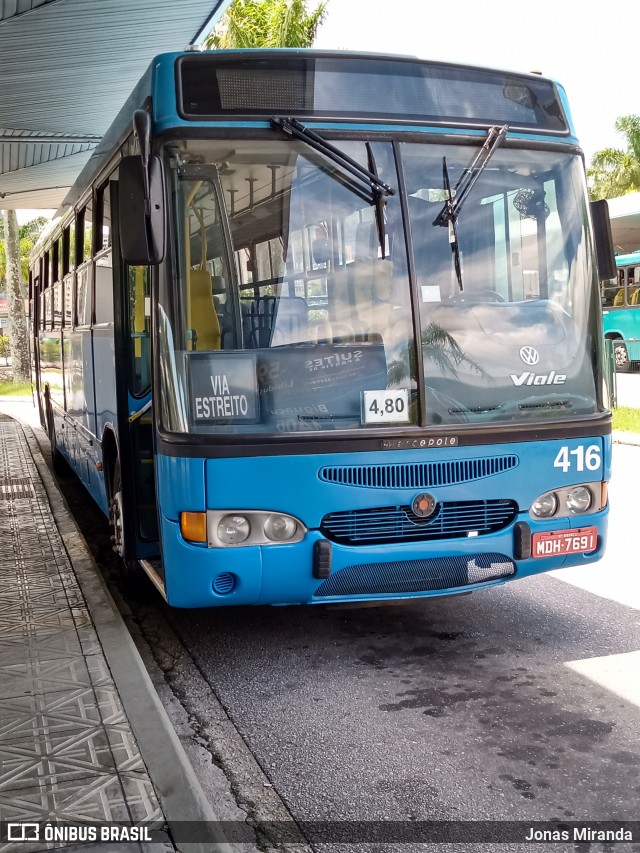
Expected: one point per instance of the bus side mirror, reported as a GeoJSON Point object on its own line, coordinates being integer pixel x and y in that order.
{"type": "Point", "coordinates": [605, 254]}
{"type": "Point", "coordinates": [142, 236]}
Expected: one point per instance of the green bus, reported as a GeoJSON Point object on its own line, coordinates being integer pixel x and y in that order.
{"type": "Point", "coordinates": [621, 310]}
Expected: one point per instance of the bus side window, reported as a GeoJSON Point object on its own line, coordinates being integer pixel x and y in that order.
{"type": "Point", "coordinates": [139, 324]}
{"type": "Point", "coordinates": [104, 265]}
{"type": "Point", "coordinates": [45, 301]}
{"type": "Point", "coordinates": [609, 290]}
{"type": "Point", "coordinates": [203, 323]}
{"type": "Point", "coordinates": [87, 240]}
{"type": "Point", "coordinates": [633, 284]}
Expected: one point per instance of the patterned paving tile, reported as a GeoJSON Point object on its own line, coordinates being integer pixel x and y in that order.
{"type": "Point", "coordinates": [67, 752]}
{"type": "Point", "coordinates": [84, 798]}
{"type": "Point", "coordinates": [61, 644]}
{"type": "Point", "coordinates": [38, 717]}
{"type": "Point", "coordinates": [33, 677]}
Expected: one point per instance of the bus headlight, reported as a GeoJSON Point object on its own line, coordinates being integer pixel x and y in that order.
{"type": "Point", "coordinates": [248, 527]}
{"type": "Point", "coordinates": [280, 528]}
{"type": "Point", "coordinates": [578, 499]}
{"type": "Point", "coordinates": [545, 506]}
{"type": "Point", "coordinates": [233, 529]}
{"type": "Point", "coordinates": [581, 499]}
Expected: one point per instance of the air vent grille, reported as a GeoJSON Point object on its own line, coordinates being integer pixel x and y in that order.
{"type": "Point", "coordinates": [418, 475]}
{"type": "Point", "coordinates": [382, 525]}
{"type": "Point", "coordinates": [411, 576]}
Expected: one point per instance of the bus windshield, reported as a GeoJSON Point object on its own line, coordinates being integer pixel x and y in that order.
{"type": "Point", "coordinates": [294, 309]}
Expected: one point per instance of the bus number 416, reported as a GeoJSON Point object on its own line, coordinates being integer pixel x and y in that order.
{"type": "Point", "coordinates": [582, 458]}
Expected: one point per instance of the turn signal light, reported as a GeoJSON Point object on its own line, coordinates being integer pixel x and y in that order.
{"type": "Point", "coordinates": [193, 526]}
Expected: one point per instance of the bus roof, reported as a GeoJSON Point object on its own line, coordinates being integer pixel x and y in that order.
{"type": "Point", "coordinates": [205, 87]}
{"type": "Point", "coordinates": [631, 258]}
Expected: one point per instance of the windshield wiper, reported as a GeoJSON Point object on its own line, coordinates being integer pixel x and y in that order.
{"type": "Point", "coordinates": [375, 189]}
{"type": "Point", "coordinates": [448, 216]}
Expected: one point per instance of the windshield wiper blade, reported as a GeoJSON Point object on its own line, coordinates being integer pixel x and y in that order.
{"type": "Point", "coordinates": [468, 178]}
{"type": "Point", "coordinates": [448, 216]}
{"type": "Point", "coordinates": [451, 221]}
{"type": "Point", "coordinates": [378, 202]}
{"type": "Point", "coordinates": [376, 189]}
{"type": "Point", "coordinates": [293, 127]}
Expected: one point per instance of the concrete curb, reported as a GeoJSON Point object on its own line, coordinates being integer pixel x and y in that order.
{"type": "Point", "coordinates": [623, 437]}
{"type": "Point", "coordinates": [171, 773]}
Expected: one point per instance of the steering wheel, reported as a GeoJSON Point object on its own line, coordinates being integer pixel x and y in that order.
{"type": "Point", "coordinates": [473, 296]}
{"type": "Point", "coordinates": [485, 296]}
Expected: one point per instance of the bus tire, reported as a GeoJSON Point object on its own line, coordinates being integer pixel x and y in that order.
{"type": "Point", "coordinates": [58, 462]}
{"type": "Point", "coordinates": [131, 570]}
{"type": "Point", "coordinates": [623, 365]}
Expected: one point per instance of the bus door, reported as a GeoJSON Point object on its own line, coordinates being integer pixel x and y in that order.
{"type": "Point", "coordinates": [139, 426]}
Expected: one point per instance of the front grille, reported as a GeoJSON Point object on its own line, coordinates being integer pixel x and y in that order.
{"type": "Point", "coordinates": [417, 475]}
{"type": "Point", "coordinates": [400, 524]}
{"type": "Point", "coordinates": [410, 576]}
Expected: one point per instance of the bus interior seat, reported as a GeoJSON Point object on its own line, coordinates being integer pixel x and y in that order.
{"type": "Point", "coordinates": [257, 317]}
{"type": "Point", "coordinates": [633, 287]}
{"type": "Point", "coordinates": [619, 298]}
{"type": "Point", "coordinates": [203, 318]}
{"type": "Point", "coordinates": [270, 321]}
{"type": "Point", "coordinates": [290, 321]}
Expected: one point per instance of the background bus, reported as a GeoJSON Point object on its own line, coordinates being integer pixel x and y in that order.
{"type": "Point", "coordinates": [621, 319]}
{"type": "Point", "coordinates": [306, 346]}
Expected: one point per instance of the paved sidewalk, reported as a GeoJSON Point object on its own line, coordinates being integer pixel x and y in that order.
{"type": "Point", "coordinates": [623, 437]}
{"type": "Point", "coordinates": [83, 735]}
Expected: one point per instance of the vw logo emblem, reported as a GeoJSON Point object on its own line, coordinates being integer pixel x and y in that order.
{"type": "Point", "coordinates": [529, 355]}
{"type": "Point", "coordinates": [424, 505]}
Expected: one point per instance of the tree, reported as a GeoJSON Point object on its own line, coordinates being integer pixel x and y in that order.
{"type": "Point", "coordinates": [5, 348]}
{"type": "Point", "coordinates": [267, 23]}
{"type": "Point", "coordinates": [29, 233]}
{"type": "Point", "coordinates": [15, 297]}
{"type": "Point", "coordinates": [614, 172]}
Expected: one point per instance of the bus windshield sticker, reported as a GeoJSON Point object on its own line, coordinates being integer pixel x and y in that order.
{"type": "Point", "coordinates": [383, 407]}
{"type": "Point", "coordinates": [223, 388]}
{"type": "Point", "coordinates": [307, 386]}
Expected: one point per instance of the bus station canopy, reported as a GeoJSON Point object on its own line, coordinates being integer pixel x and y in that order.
{"type": "Point", "coordinates": [66, 68]}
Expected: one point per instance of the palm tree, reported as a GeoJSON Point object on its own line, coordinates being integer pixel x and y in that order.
{"type": "Point", "coordinates": [20, 358]}
{"type": "Point", "coordinates": [267, 23]}
{"type": "Point", "coordinates": [614, 172]}
{"type": "Point", "coordinates": [28, 236]}
{"type": "Point", "coordinates": [441, 348]}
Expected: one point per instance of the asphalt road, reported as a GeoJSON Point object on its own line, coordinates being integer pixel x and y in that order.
{"type": "Point", "coordinates": [517, 703]}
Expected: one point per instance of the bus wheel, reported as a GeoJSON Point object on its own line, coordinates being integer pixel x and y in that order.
{"type": "Point", "coordinates": [58, 462]}
{"type": "Point", "coordinates": [131, 571]}
{"type": "Point", "coordinates": [116, 519]}
{"type": "Point", "coordinates": [623, 365]}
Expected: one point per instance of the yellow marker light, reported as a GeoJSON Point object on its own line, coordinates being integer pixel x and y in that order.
{"type": "Point", "coordinates": [604, 494]}
{"type": "Point", "coordinates": [193, 526]}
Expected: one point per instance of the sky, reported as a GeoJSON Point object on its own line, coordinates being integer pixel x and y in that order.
{"type": "Point", "coordinates": [581, 46]}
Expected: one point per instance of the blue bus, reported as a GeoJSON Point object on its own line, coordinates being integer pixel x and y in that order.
{"type": "Point", "coordinates": [621, 320]}
{"type": "Point", "coordinates": [316, 327]}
